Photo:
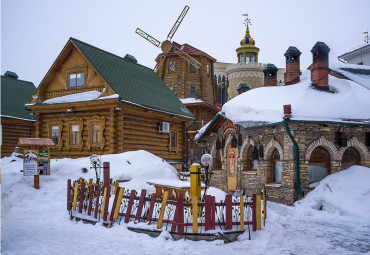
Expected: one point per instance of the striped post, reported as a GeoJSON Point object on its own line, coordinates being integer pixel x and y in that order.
{"type": "Point", "coordinates": [163, 208]}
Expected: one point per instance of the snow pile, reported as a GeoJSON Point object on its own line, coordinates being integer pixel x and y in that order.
{"type": "Point", "coordinates": [344, 69]}
{"type": "Point", "coordinates": [79, 97]}
{"type": "Point", "coordinates": [190, 100]}
{"type": "Point", "coordinates": [350, 101]}
{"type": "Point", "coordinates": [346, 193]}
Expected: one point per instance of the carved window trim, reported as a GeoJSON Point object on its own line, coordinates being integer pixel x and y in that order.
{"type": "Point", "coordinates": [175, 148]}
{"type": "Point", "coordinates": [76, 69]}
{"type": "Point", "coordinates": [70, 122]}
{"type": "Point", "coordinates": [100, 120]}
{"type": "Point", "coordinates": [58, 123]}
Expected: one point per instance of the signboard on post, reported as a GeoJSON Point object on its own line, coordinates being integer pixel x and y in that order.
{"type": "Point", "coordinates": [30, 162]}
{"type": "Point", "coordinates": [43, 162]}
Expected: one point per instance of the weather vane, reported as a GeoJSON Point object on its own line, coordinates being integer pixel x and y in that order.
{"type": "Point", "coordinates": [366, 37]}
{"type": "Point", "coordinates": [247, 20]}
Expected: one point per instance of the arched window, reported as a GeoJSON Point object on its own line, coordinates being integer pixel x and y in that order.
{"type": "Point", "coordinates": [350, 157]}
{"type": "Point", "coordinates": [251, 162]}
{"type": "Point", "coordinates": [319, 165]}
{"type": "Point", "coordinates": [276, 168]}
{"type": "Point", "coordinates": [217, 161]}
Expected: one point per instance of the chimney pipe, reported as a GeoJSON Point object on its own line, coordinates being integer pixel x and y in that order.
{"type": "Point", "coordinates": [293, 71]}
{"type": "Point", "coordinates": [320, 68]}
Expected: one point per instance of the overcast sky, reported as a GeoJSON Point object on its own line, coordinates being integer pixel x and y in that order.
{"type": "Point", "coordinates": [34, 32]}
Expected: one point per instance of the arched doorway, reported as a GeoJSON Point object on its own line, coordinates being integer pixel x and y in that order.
{"type": "Point", "coordinates": [231, 167]}
{"type": "Point", "coordinates": [350, 157]}
{"type": "Point", "coordinates": [275, 174]}
{"type": "Point", "coordinates": [319, 165]}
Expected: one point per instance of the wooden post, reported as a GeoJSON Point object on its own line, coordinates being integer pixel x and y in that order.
{"type": "Point", "coordinates": [195, 184]}
{"type": "Point", "coordinates": [195, 214]}
{"type": "Point", "coordinates": [229, 212]}
{"type": "Point", "coordinates": [106, 167]}
{"type": "Point", "coordinates": [254, 220]}
{"type": "Point", "coordinates": [264, 205]}
{"type": "Point", "coordinates": [163, 208]}
{"type": "Point", "coordinates": [69, 194]}
{"type": "Point", "coordinates": [258, 209]}
{"type": "Point", "coordinates": [141, 203]}
{"type": "Point", "coordinates": [179, 215]}
{"type": "Point", "coordinates": [129, 206]}
{"type": "Point", "coordinates": [208, 213]}
{"type": "Point", "coordinates": [151, 208]}
{"type": "Point", "coordinates": [111, 217]}
{"type": "Point", "coordinates": [106, 205]}
{"type": "Point", "coordinates": [36, 181]}
{"type": "Point", "coordinates": [75, 191]}
{"type": "Point", "coordinates": [102, 211]}
{"type": "Point", "coordinates": [91, 195]}
{"type": "Point", "coordinates": [119, 202]}
{"type": "Point", "coordinates": [213, 223]}
{"type": "Point", "coordinates": [97, 201]}
{"type": "Point", "coordinates": [241, 213]}
{"type": "Point", "coordinates": [82, 191]}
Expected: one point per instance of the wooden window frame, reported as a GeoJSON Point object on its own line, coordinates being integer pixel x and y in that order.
{"type": "Point", "coordinates": [272, 169]}
{"type": "Point", "coordinates": [70, 123]}
{"type": "Point", "coordinates": [173, 148]}
{"type": "Point", "coordinates": [74, 135]}
{"type": "Point", "coordinates": [192, 68]}
{"type": "Point", "coordinates": [174, 66]}
{"type": "Point", "coordinates": [59, 124]}
{"type": "Point", "coordinates": [208, 69]}
{"type": "Point", "coordinates": [77, 70]}
{"type": "Point", "coordinates": [76, 83]}
{"type": "Point", "coordinates": [96, 120]}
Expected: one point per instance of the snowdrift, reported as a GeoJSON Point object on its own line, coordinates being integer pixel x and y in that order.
{"type": "Point", "coordinates": [346, 193]}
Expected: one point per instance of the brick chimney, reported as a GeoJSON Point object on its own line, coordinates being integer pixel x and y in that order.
{"type": "Point", "coordinates": [270, 75]}
{"type": "Point", "coordinates": [292, 72]}
{"type": "Point", "coordinates": [320, 66]}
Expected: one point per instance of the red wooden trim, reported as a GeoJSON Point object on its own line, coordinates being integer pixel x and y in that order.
{"type": "Point", "coordinates": [114, 205]}
{"type": "Point", "coordinates": [97, 202]}
{"type": "Point", "coordinates": [129, 206]}
{"type": "Point", "coordinates": [91, 195]}
{"type": "Point", "coordinates": [106, 204]}
{"type": "Point", "coordinates": [69, 194]}
{"type": "Point", "coordinates": [151, 208]}
{"type": "Point", "coordinates": [208, 212]}
{"type": "Point", "coordinates": [141, 204]}
{"type": "Point", "coordinates": [179, 215]}
{"type": "Point", "coordinates": [229, 212]}
{"type": "Point", "coordinates": [254, 214]}
{"type": "Point", "coordinates": [213, 210]}
{"type": "Point", "coordinates": [82, 191]}
{"type": "Point", "coordinates": [106, 173]}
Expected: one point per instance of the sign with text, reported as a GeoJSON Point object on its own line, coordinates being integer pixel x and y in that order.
{"type": "Point", "coordinates": [43, 162]}
{"type": "Point", "coordinates": [30, 162]}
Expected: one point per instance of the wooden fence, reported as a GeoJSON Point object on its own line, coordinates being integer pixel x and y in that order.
{"type": "Point", "coordinates": [113, 204]}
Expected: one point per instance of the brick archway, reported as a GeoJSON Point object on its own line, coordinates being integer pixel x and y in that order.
{"type": "Point", "coordinates": [328, 145]}
{"type": "Point", "coordinates": [270, 147]}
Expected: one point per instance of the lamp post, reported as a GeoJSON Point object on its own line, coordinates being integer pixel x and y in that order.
{"type": "Point", "coordinates": [207, 160]}
{"type": "Point", "coordinates": [95, 162]}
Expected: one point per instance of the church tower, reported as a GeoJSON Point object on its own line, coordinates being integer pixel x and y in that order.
{"type": "Point", "coordinates": [247, 52]}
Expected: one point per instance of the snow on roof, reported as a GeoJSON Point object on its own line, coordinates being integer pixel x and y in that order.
{"type": "Point", "coordinates": [356, 73]}
{"type": "Point", "coordinates": [84, 96]}
{"type": "Point", "coordinates": [265, 105]}
{"type": "Point", "coordinates": [190, 100]}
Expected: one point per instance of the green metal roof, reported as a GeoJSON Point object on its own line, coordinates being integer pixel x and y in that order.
{"type": "Point", "coordinates": [11, 74]}
{"type": "Point", "coordinates": [14, 95]}
{"type": "Point", "coordinates": [133, 82]}
{"type": "Point", "coordinates": [243, 86]}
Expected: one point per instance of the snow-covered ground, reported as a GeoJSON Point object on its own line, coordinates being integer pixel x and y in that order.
{"type": "Point", "coordinates": [332, 219]}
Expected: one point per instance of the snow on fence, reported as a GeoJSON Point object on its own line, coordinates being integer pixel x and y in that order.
{"type": "Point", "coordinates": [110, 203]}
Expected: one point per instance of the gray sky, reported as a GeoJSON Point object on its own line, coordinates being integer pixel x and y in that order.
{"type": "Point", "coordinates": [34, 32]}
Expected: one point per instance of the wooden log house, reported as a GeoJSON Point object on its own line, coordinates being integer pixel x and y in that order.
{"type": "Point", "coordinates": [189, 82]}
{"type": "Point", "coordinates": [16, 121]}
{"type": "Point", "coordinates": [92, 101]}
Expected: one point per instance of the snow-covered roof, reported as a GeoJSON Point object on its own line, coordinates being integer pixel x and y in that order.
{"type": "Point", "coordinates": [79, 97]}
{"type": "Point", "coordinates": [356, 73]}
{"type": "Point", "coordinates": [190, 100]}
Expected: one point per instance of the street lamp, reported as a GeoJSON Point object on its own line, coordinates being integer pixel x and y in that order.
{"type": "Point", "coordinates": [95, 162]}
{"type": "Point", "coordinates": [206, 161]}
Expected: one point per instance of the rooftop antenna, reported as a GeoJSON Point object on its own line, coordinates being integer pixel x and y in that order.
{"type": "Point", "coordinates": [167, 45]}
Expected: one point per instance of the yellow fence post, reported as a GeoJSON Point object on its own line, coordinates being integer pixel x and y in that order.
{"type": "Point", "coordinates": [163, 208]}
{"type": "Point", "coordinates": [258, 212]}
{"type": "Point", "coordinates": [75, 192]}
{"type": "Point", "coordinates": [264, 205]}
{"type": "Point", "coordinates": [241, 213]}
{"type": "Point", "coordinates": [195, 214]}
{"type": "Point", "coordinates": [103, 205]}
{"type": "Point", "coordinates": [195, 189]}
{"type": "Point", "coordinates": [119, 202]}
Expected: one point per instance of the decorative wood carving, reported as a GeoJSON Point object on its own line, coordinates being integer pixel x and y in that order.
{"type": "Point", "coordinates": [58, 123]}
{"type": "Point", "coordinates": [70, 122]}
{"type": "Point", "coordinates": [96, 120]}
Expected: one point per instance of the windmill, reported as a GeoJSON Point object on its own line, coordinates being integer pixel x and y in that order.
{"type": "Point", "coordinates": [167, 45]}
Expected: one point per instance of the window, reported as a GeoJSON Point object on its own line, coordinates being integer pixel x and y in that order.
{"type": "Point", "coordinates": [173, 139]}
{"type": "Point", "coordinates": [217, 161]}
{"type": "Point", "coordinates": [95, 134]}
{"type": "Point", "coordinates": [76, 80]}
{"type": "Point", "coordinates": [319, 165]}
{"type": "Point", "coordinates": [350, 157]}
{"type": "Point", "coordinates": [172, 66]}
{"type": "Point", "coordinates": [207, 69]}
{"type": "Point", "coordinates": [192, 92]}
{"type": "Point", "coordinates": [192, 68]}
{"type": "Point", "coordinates": [75, 135]}
{"type": "Point", "coordinates": [241, 58]}
{"type": "Point", "coordinates": [251, 164]}
{"type": "Point", "coordinates": [55, 134]}
{"type": "Point", "coordinates": [276, 167]}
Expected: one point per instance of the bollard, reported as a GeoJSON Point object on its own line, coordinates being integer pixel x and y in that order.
{"type": "Point", "coordinates": [195, 188]}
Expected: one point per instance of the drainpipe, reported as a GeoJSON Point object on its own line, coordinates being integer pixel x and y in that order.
{"type": "Point", "coordinates": [187, 145]}
{"type": "Point", "coordinates": [298, 182]}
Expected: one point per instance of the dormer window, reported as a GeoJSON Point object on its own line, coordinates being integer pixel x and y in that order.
{"type": "Point", "coordinates": [76, 80]}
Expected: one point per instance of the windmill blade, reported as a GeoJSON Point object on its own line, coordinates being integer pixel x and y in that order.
{"type": "Point", "coordinates": [148, 37]}
{"type": "Point", "coordinates": [159, 64]}
{"type": "Point", "coordinates": [187, 57]}
{"type": "Point", "coordinates": [177, 23]}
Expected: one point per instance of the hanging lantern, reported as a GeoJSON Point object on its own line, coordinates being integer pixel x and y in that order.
{"type": "Point", "coordinates": [234, 142]}
{"type": "Point", "coordinates": [218, 144]}
{"type": "Point", "coordinates": [255, 153]}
